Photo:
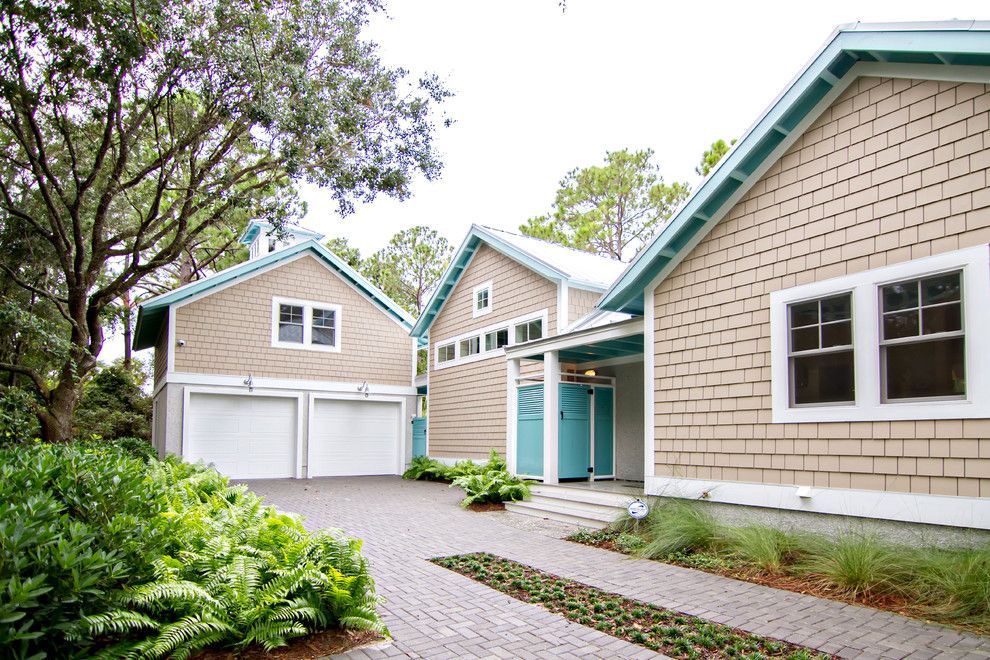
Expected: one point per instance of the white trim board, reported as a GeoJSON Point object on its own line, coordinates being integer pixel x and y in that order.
{"type": "Point", "coordinates": [275, 384]}
{"type": "Point", "coordinates": [971, 512]}
{"type": "Point", "coordinates": [974, 263]}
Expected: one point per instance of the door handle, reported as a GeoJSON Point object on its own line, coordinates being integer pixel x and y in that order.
{"type": "Point", "coordinates": [562, 414]}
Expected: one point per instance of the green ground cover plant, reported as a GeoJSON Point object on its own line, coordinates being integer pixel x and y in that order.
{"type": "Point", "coordinates": [487, 483]}
{"type": "Point", "coordinates": [947, 585]}
{"type": "Point", "coordinates": [106, 554]}
{"type": "Point", "coordinates": [675, 634]}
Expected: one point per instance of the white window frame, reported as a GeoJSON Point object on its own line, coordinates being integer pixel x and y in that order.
{"type": "Point", "coordinates": [452, 346]}
{"type": "Point", "coordinates": [475, 312]}
{"type": "Point", "coordinates": [307, 342]}
{"type": "Point", "coordinates": [974, 264]}
{"type": "Point", "coordinates": [480, 333]}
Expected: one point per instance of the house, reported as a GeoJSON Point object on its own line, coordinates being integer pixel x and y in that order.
{"type": "Point", "coordinates": [290, 364]}
{"type": "Point", "coordinates": [500, 290]}
{"type": "Point", "coordinates": [812, 322]}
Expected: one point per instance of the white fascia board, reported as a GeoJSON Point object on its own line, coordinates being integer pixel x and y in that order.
{"type": "Point", "coordinates": [970, 512]}
{"type": "Point", "coordinates": [281, 384]}
{"type": "Point", "coordinates": [579, 338]}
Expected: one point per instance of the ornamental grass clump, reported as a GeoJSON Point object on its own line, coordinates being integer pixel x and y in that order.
{"type": "Point", "coordinates": [679, 526]}
{"type": "Point", "coordinates": [859, 564]}
{"type": "Point", "coordinates": [767, 548]}
{"type": "Point", "coordinates": [106, 554]}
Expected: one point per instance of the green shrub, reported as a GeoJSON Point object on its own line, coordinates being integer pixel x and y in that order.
{"type": "Point", "coordinates": [425, 468]}
{"type": "Point", "coordinates": [679, 526]}
{"type": "Point", "coordinates": [860, 563]}
{"type": "Point", "coordinates": [113, 406]}
{"type": "Point", "coordinates": [103, 552]}
{"type": "Point", "coordinates": [763, 546]}
{"type": "Point", "coordinates": [491, 487]}
{"type": "Point", "coordinates": [18, 422]}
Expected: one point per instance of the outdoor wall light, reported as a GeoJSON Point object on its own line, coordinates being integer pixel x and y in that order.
{"type": "Point", "coordinates": [249, 381]}
{"type": "Point", "coordinates": [363, 387]}
{"type": "Point", "coordinates": [590, 372]}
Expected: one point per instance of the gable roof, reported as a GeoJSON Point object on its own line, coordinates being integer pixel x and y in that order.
{"type": "Point", "coordinates": [577, 268]}
{"type": "Point", "coordinates": [255, 227]}
{"type": "Point", "coordinates": [950, 50]}
{"type": "Point", "coordinates": [153, 313]}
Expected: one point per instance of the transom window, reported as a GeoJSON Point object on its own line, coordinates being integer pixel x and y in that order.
{"type": "Point", "coordinates": [304, 324]}
{"type": "Point", "coordinates": [470, 346]}
{"type": "Point", "coordinates": [821, 351]}
{"type": "Point", "coordinates": [922, 339]}
{"type": "Point", "coordinates": [496, 339]}
{"type": "Point", "coordinates": [446, 353]}
{"type": "Point", "coordinates": [529, 331]}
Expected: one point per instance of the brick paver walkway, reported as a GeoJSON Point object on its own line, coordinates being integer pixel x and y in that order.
{"type": "Point", "coordinates": [434, 613]}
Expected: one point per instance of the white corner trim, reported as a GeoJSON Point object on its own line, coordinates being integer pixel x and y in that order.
{"type": "Point", "coordinates": [973, 512]}
{"type": "Point", "coordinates": [298, 396]}
{"type": "Point", "coordinates": [649, 380]}
{"type": "Point", "coordinates": [475, 312]}
{"type": "Point", "coordinates": [974, 263]}
{"type": "Point", "coordinates": [172, 342]}
{"type": "Point", "coordinates": [277, 384]}
{"type": "Point", "coordinates": [480, 333]}
{"type": "Point", "coordinates": [308, 307]}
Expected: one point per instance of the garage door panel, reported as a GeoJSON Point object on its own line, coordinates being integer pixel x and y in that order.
{"type": "Point", "coordinates": [354, 438]}
{"type": "Point", "coordinates": [245, 437]}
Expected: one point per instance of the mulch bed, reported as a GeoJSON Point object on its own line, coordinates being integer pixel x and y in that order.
{"type": "Point", "coordinates": [673, 633]}
{"type": "Point", "coordinates": [486, 506]}
{"type": "Point", "coordinates": [317, 645]}
{"type": "Point", "coordinates": [800, 584]}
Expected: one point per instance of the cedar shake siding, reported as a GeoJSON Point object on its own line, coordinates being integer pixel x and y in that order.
{"type": "Point", "coordinates": [467, 401]}
{"type": "Point", "coordinates": [161, 354]}
{"type": "Point", "coordinates": [230, 331]}
{"type": "Point", "coordinates": [580, 303]}
{"type": "Point", "coordinates": [893, 171]}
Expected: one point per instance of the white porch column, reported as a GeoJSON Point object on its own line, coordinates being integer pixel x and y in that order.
{"type": "Point", "coordinates": [551, 411]}
{"type": "Point", "coordinates": [511, 411]}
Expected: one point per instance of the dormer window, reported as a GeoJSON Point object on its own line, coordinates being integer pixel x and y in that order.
{"type": "Point", "coordinates": [305, 324]}
{"type": "Point", "coordinates": [272, 243]}
{"type": "Point", "coordinates": [482, 299]}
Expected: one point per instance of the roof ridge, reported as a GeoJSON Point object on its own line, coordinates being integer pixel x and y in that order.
{"type": "Point", "coordinates": [560, 245]}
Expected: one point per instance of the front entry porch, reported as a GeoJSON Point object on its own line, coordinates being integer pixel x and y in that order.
{"type": "Point", "coordinates": [584, 390]}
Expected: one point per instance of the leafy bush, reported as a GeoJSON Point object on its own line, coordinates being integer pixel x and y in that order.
{"type": "Point", "coordinates": [491, 487]}
{"type": "Point", "coordinates": [113, 406]}
{"type": "Point", "coordinates": [102, 552]}
{"type": "Point", "coordinates": [18, 423]}
{"type": "Point", "coordinates": [425, 468]}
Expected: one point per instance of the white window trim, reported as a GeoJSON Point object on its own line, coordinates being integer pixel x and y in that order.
{"type": "Point", "coordinates": [308, 306]}
{"type": "Point", "coordinates": [865, 287]}
{"type": "Point", "coordinates": [541, 315]}
{"type": "Point", "coordinates": [475, 312]}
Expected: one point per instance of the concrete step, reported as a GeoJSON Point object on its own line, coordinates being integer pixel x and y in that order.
{"type": "Point", "coordinates": [586, 495]}
{"type": "Point", "coordinates": [605, 512]}
{"type": "Point", "coordinates": [526, 509]}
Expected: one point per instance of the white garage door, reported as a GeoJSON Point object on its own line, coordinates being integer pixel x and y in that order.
{"type": "Point", "coordinates": [245, 437]}
{"type": "Point", "coordinates": [351, 438]}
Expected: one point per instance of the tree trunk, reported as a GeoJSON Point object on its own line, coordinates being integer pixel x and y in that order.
{"type": "Point", "coordinates": [128, 329]}
{"type": "Point", "coordinates": [56, 416]}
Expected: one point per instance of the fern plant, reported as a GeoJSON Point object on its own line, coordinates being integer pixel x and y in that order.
{"type": "Point", "coordinates": [491, 487]}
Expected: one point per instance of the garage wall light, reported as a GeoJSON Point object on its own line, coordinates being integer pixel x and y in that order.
{"type": "Point", "coordinates": [249, 381]}
{"type": "Point", "coordinates": [363, 387]}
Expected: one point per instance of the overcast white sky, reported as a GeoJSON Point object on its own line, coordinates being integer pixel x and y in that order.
{"type": "Point", "coordinates": [540, 91]}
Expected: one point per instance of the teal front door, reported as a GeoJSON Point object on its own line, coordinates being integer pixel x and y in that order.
{"type": "Point", "coordinates": [574, 432]}
{"type": "Point", "coordinates": [604, 424]}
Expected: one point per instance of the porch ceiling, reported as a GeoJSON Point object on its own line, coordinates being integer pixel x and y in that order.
{"type": "Point", "coordinates": [601, 350]}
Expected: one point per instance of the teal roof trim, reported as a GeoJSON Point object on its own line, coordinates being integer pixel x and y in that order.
{"type": "Point", "coordinates": [476, 236]}
{"type": "Point", "coordinates": [153, 314]}
{"type": "Point", "coordinates": [957, 43]}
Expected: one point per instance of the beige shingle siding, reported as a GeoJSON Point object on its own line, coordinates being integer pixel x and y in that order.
{"type": "Point", "coordinates": [230, 332]}
{"type": "Point", "coordinates": [893, 171]}
{"type": "Point", "coordinates": [161, 354]}
{"type": "Point", "coordinates": [580, 303]}
{"type": "Point", "coordinates": [467, 402]}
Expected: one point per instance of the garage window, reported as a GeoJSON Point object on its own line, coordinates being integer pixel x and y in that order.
{"type": "Point", "coordinates": [305, 324]}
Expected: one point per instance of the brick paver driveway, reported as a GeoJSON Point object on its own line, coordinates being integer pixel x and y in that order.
{"type": "Point", "coordinates": [435, 613]}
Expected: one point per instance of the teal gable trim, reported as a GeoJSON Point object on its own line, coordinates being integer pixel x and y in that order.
{"type": "Point", "coordinates": [476, 236]}
{"type": "Point", "coordinates": [256, 226]}
{"type": "Point", "coordinates": [153, 314]}
{"type": "Point", "coordinates": [954, 43]}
